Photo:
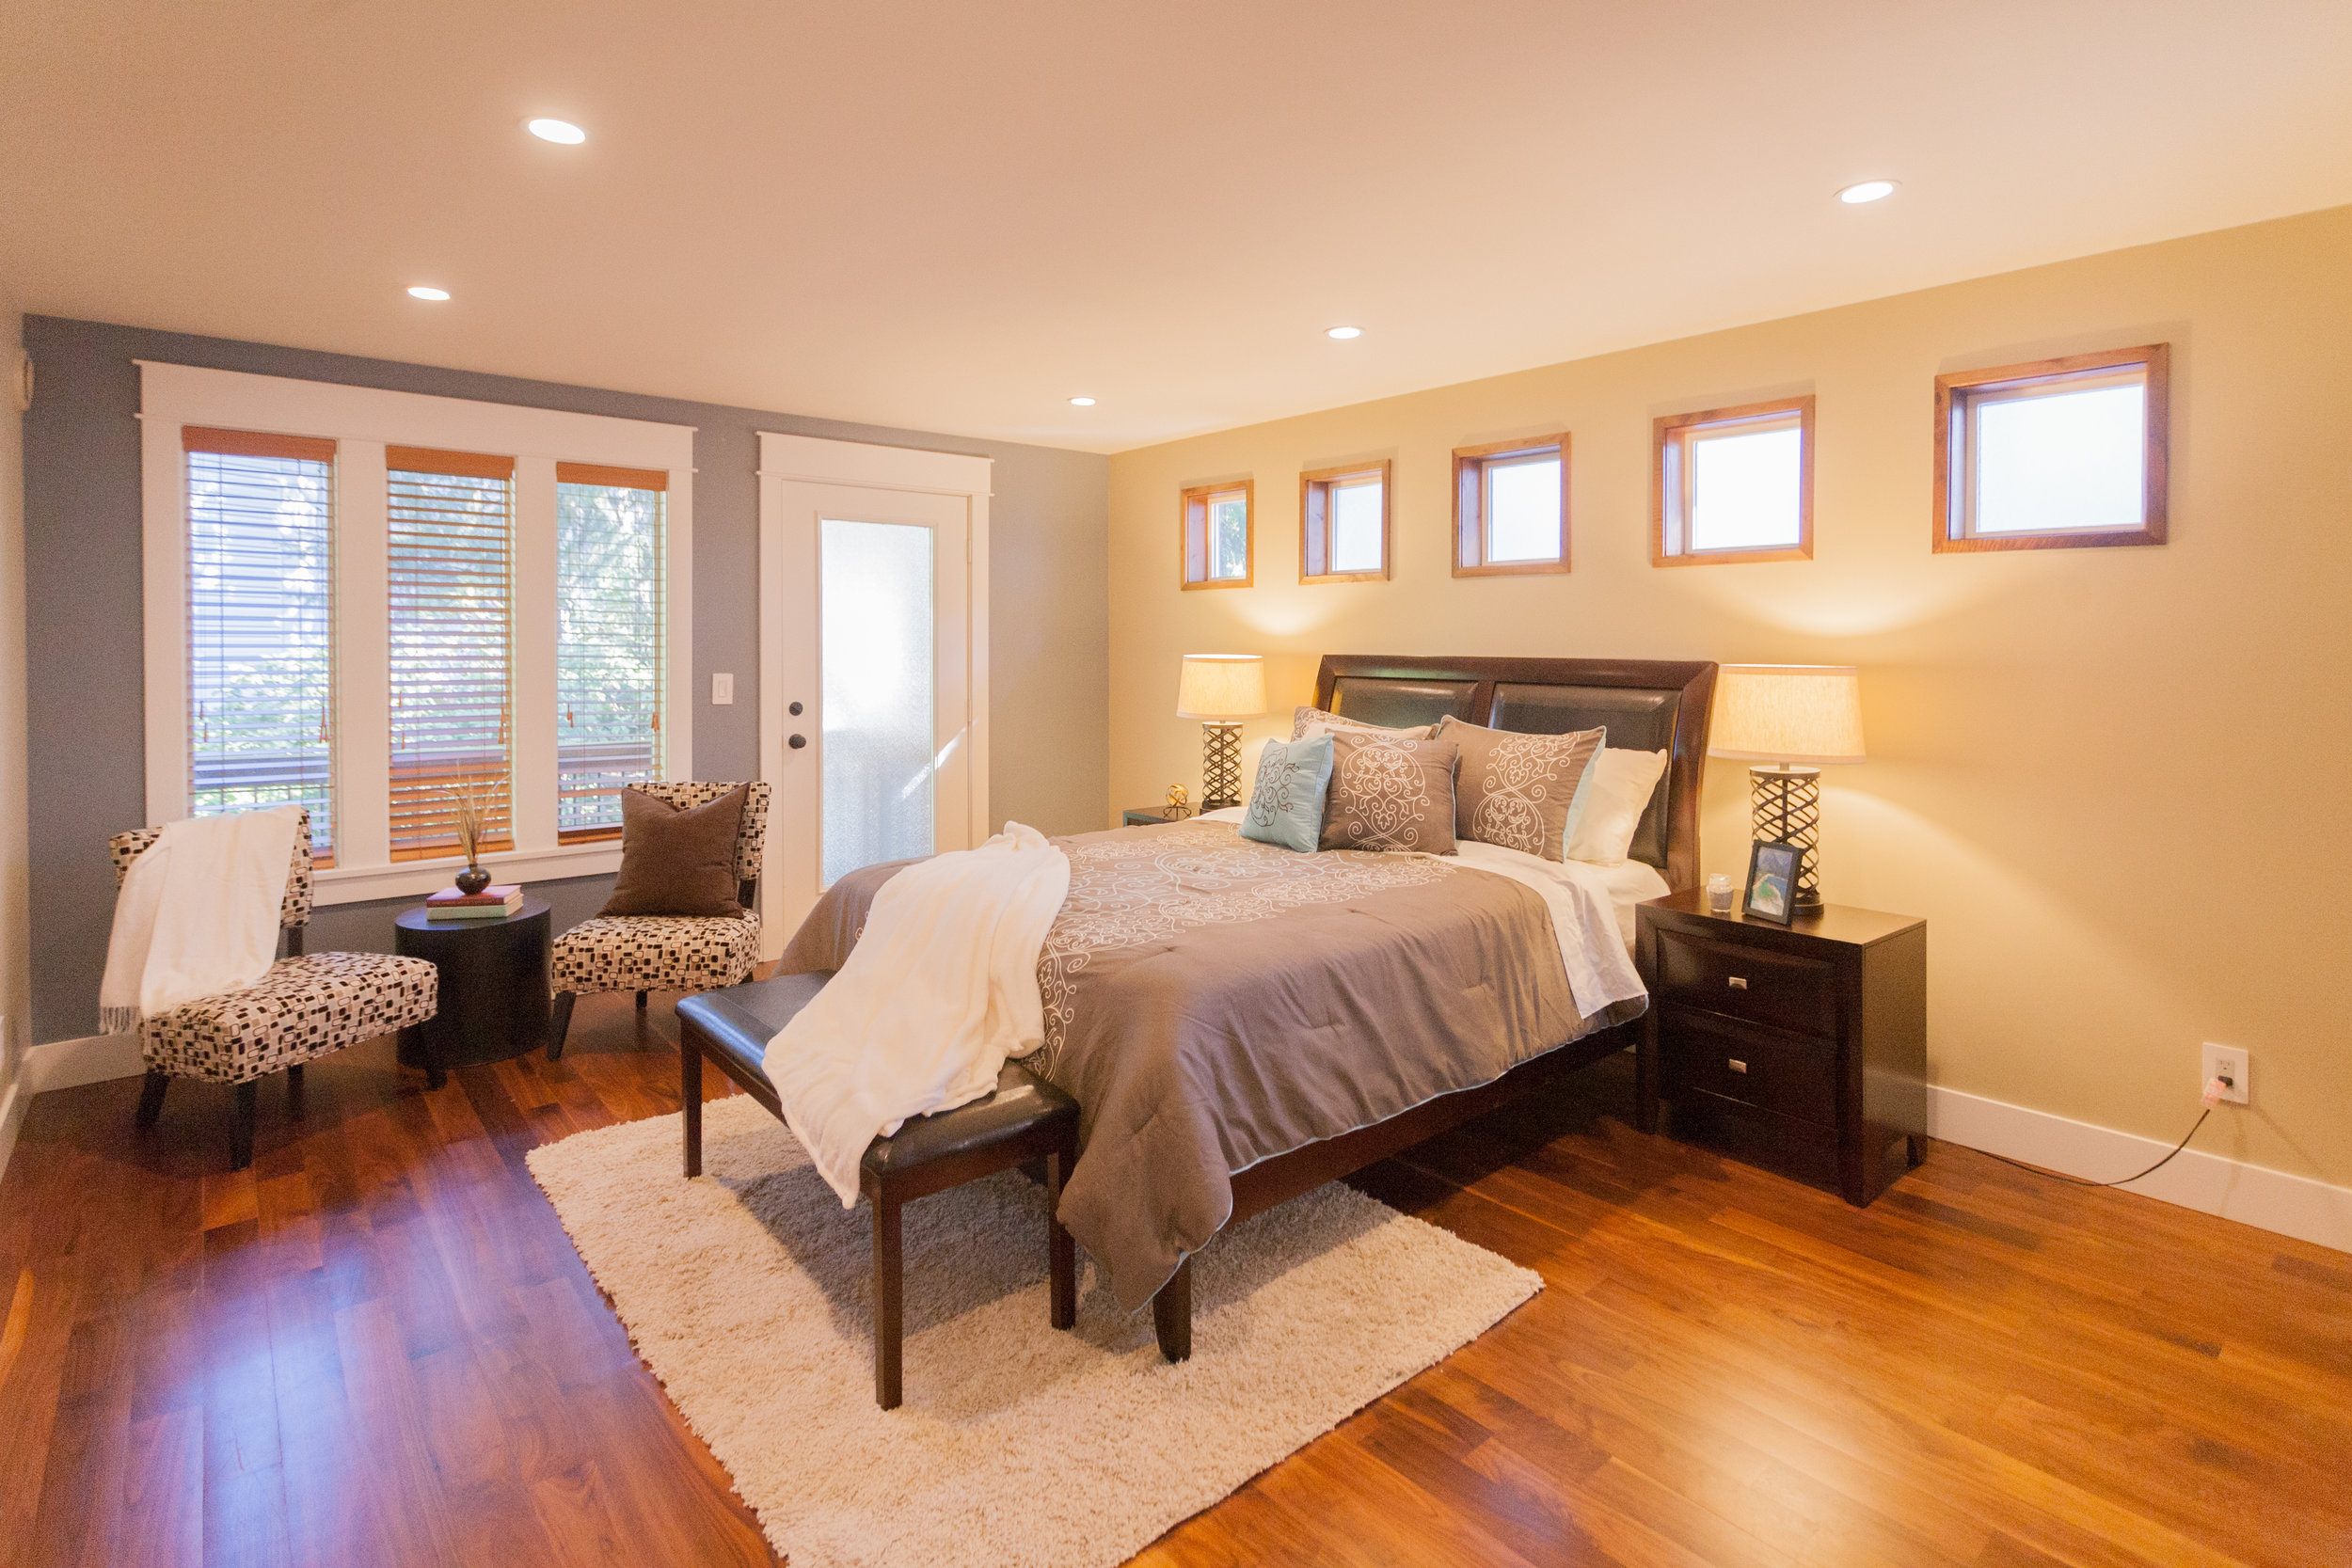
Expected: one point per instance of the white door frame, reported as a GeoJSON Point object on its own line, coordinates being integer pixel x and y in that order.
{"type": "Point", "coordinates": [813, 460]}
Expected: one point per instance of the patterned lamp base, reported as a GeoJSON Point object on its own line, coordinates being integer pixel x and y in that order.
{"type": "Point", "coordinates": [1787, 805]}
{"type": "Point", "coordinates": [1220, 766]}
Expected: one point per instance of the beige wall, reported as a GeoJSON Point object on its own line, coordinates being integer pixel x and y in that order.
{"type": "Point", "coordinates": [2115, 782]}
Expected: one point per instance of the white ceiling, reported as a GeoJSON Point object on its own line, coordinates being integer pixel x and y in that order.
{"type": "Point", "coordinates": [954, 218]}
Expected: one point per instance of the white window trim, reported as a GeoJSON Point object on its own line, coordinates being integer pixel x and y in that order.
{"type": "Point", "coordinates": [362, 421]}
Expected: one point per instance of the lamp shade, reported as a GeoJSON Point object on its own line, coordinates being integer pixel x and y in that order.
{"type": "Point", "coordinates": [1221, 686]}
{"type": "Point", "coordinates": [1801, 713]}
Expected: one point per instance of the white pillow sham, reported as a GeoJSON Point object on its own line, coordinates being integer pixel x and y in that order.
{"type": "Point", "coordinates": [1611, 797]}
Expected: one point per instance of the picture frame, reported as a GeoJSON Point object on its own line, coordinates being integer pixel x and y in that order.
{"type": "Point", "coordinates": [1772, 890]}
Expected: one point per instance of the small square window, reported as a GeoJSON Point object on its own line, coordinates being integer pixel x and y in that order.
{"type": "Point", "coordinates": [1216, 538]}
{"type": "Point", "coordinates": [2056, 454]}
{"type": "Point", "coordinates": [1511, 508]}
{"type": "Point", "coordinates": [1733, 484]}
{"type": "Point", "coordinates": [1343, 516]}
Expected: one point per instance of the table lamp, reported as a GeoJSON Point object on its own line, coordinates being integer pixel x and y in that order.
{"type": "Point", "coordinates": [1802, 717]}
{"type": "Point", "coordinates": [1220, 689]}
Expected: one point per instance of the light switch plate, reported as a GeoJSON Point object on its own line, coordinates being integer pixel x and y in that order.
{"type": "Point", "coordinates": [722, 689]}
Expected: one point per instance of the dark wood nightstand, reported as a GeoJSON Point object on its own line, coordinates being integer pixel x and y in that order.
{"type": "Point", "coordinates": [1142, 817]}
{"type": "Point", "coordinates": [1813, 1035]}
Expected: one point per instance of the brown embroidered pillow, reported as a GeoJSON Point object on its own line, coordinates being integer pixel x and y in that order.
{"type": "Point", "coordinates": [1308, 720]}
{"type": "Point", "coordinates": [677, 861]}
{"type": "Point", "coordinates": [1390, 792]}
{"type": "Point", "coordinates": [1515, 789]}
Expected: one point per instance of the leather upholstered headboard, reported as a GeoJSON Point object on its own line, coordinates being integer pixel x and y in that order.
{"type": "Point", "coordinates": [1645, 705]}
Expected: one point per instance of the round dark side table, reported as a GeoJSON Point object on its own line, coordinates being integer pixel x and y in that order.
{"type": "Point", "coordinates": [494, 984]}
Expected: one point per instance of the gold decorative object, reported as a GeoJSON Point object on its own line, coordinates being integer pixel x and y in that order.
{"type": "Point", "coordinates": [1179, 803]}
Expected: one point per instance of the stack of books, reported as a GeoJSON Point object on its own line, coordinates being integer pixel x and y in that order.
{"type": "Point", "coordinates": [495, 902]}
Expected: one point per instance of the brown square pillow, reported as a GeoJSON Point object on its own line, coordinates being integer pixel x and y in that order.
{"type": "Point", "coordinates": [1515, 789]}
{"type": "Point", "coordinates": [677, 861]}
{"type": "Point", "coordinates": [1390, 792]}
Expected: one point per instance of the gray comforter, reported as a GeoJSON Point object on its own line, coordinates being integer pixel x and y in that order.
{"type": "Point", "coordinates": [1212, 1002]}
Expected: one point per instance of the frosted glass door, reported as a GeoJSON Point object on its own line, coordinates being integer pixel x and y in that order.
{"type": "Point", "coordinates": [880, 705]}
{"type": "Point", "coordinates": [868, 682]}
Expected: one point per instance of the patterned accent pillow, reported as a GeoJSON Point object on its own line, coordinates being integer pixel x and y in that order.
{"type": "Point", "coordinates": [1308, 720]}
{"type": "Point", "coordinates": [1516, 790]}
{"type": "Point", "coordinates": [1390, 792]}
{"type": "Point", "coordinates": [1286, 803]}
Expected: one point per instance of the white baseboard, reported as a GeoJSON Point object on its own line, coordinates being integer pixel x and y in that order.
{"type": "Point", "coordinates": [13, 1098]}
{"type": "Point", "coordinates": [91, 1059]}
{"type": "Point", "coordinates": [2297, 1206]}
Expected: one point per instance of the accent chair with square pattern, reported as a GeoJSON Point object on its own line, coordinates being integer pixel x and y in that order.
{"type": "Point", "coordinates": [660, 952]}
{"type": "Point", "coordinates": [306, 1007]}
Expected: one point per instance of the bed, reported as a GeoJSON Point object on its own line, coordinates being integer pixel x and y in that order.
{"type": "Point", "coordinates": [1241, 1024]}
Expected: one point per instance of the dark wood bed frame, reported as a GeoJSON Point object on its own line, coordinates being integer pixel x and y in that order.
{"type": "Point", "coordinates": [1647, 705]}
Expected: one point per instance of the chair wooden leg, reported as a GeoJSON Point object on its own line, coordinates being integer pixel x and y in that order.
{"type": "Point", "coordinates": [689, 1094]}
{"type": "Point", "coordinates": [294, 1092]}
{"type": "Point", "coordinates": [1171, 1314]}
{"type": "Point", "coordinates": [641, 1000]}
{"type": "Point", "coordinates": [241, 1128]}
{"type": "Point", "coordinates": [1061, 1248]}
{"type": "Point", "coordinates": [151, 1097]}
{"type": "Point", "coordinates": [559, 1024]}
{"type": "Point", "coordinates": [889, 1279]}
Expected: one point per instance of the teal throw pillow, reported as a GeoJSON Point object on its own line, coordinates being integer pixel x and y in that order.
{"type": "Point", "coordinates": [1286, 807]}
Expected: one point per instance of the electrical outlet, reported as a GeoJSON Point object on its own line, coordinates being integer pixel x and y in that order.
{"type": "Point", "coordinates": [2227, 1061]}
{"type": "Point", "coordinates": [722, 689]}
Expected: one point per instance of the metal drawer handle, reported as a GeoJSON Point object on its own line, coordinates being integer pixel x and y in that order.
{"type": "Point", "coordinates": [1739, 1065]}
{"type": "Point", "coordinates": [1738, 983]}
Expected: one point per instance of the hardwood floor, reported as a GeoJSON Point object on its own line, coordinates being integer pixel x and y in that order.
{"type": "Point", "coordinates": [377, 1346]}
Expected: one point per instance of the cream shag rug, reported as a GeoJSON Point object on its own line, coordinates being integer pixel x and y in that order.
{"type": "Point", "coordinates": [749, 1292]}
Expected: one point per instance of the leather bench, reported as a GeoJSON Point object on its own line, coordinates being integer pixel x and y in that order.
{"type": "Point", "coordinates": [1027, 1122]}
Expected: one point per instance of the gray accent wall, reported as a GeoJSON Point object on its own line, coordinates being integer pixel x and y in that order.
{"type": "Point", "coordinates": [1048, 645]}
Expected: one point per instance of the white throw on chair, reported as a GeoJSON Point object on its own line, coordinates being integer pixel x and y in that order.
{"type": "Point", "coordinates": [662, 952]}
{"type": "Point", "coordinates": [306, 1007]}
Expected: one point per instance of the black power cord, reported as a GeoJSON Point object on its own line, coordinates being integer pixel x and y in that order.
{"type": "Point", "coordinates": [2078, 1181]}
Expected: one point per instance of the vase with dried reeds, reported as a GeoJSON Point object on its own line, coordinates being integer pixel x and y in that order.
{"type": "Point", "coordinates": [472, 800]}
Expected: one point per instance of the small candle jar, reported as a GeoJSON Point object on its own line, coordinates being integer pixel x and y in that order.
{"type": "Point", "coordinates": [1719, 894]}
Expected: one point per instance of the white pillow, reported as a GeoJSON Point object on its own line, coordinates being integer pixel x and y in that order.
{"type": "Point", "coordinates": [1612, 797]}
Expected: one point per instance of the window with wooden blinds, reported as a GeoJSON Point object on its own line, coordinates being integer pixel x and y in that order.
{"type": "Point", "coordinates": [261, 596]}
{"type": "Point", "coordinates": [608, 551]}
{"type": "Point", "coordinates": [449, 565]}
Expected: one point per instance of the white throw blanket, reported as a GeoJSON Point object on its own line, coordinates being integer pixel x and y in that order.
{"type": "Point", "coordinates": [197, 914]}
{"type": "Point", "coordinates": [939, 990]}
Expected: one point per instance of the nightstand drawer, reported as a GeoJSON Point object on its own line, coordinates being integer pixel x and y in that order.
{"type": "Point", "coordinates": [1796, 1078]}
{"type": "Point", "coordinates": [1747, 982]}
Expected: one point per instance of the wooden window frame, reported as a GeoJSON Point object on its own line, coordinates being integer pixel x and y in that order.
{"type": "Point", "coordinates": [1192, 534]}
{"type": "Point", "coordinates": [1473, 469]}
{"type": "Point", "coordinates": [215, 441]}
{"type": "Point", "coordinates": [1958, 396]}
{"type": "Point", "coordinates": [655, 482]}
{"type": "Point", "coordinates": [404, 786]}
{"type": "Point", "coordinates": [1670, 437]}
{"type": "Point", "coordinates": [1314, 520]}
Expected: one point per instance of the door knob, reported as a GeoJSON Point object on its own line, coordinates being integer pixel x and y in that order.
{"type": "Point", "coordinates": [798, 742]}
{"type": "Point", "coordinates": [794, 710]}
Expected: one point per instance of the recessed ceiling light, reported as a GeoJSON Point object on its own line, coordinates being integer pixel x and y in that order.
{"type": "Point", "coordinates": [1868, 190]}
{"type": "Point", "coordinates": [557, 131]}
{"type": "Point", "coordinates": [422, 292]}
{"type": "Point", "coordinates": [1081, 403]}
{"type": "Point", "coordinates": [1343, 331]}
